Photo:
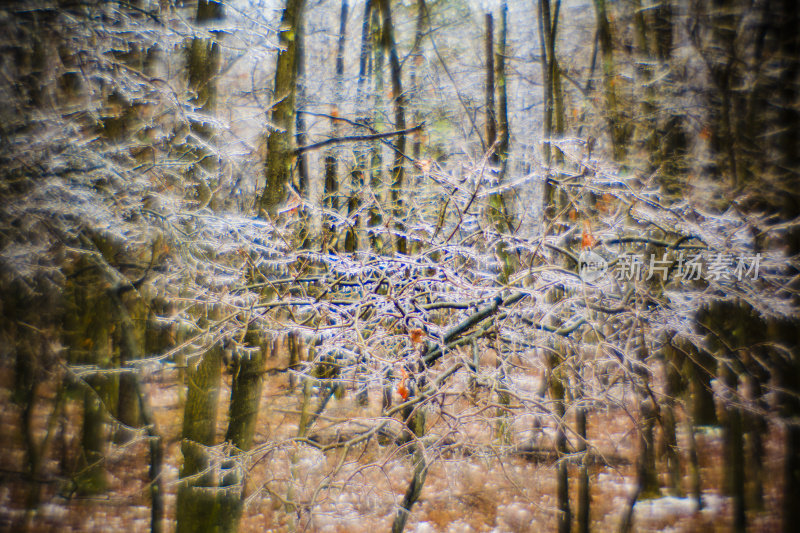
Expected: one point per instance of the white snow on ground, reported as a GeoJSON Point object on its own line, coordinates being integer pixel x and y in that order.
{"type": "Point", "coordinates": [514, 517]}
{"type": "Point", "coordinates": [670, 506]}
{"type": "Point", "coordinates": [425, 527]}
{"type": "Point", "coordinates": [460, 527]}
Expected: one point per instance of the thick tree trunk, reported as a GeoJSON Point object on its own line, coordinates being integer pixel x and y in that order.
{"type": "Point", "coordinates": [616, 129]}
{"type": "Point", "coordinates": [398, 102]}
{"type": "Point", "coordinates": [376, 181]}
{"type": "Point", "coordinates": [584, 494]}
{"type": "Point", "coordinates": [489, 108]}
{"type": "Point", "coordinates": [246, 390]}
{"type": "Point", "coordinates": [198, 503]}
{"type": "Point", "coordinates": [671, 362]}
{"type": "Point", "coordinates": [558, 396]}
{"type": "Point", "coordinates": [131, 335]}
{"type": "Point", "coordinates": [203, 63]}
{"type": "Point", "coordinates": [647, 475]}
{"type": "Point", "coordinates": [89, 330]}
{"type": "Point", "coordinates": [280, 140]}
{"type": "Point", "coordinates": [415, 424]}
{"type": "Point", "coordinates": [331, 189]}
{"type": "Point", "coordinates": [553, 100]}
{"type": "Point", "coordinates": [499, 217]}
{"type": "Point", "coordinates": [733, 444]}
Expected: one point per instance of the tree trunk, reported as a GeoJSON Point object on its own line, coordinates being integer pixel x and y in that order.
{"type": "Point", "coordinates": [615, 126]}
{"type": "Point", "coordinates": [280, 139]}
{"type": "Point", "coordinates": [553, 108]}
{"type": "Point", "coordinates": [303, 229]}
{"type": "Point", "coordinates": [558, 395]}
{"type": "Point", "coordinates": [499, 217]}
{"type": "Point", "coordinates": [89, 327]}
{"type": "Point", "coordinates": [556, 381]}
{"type": "Point", "coordinates": [130, 349]}
{"type": "Point", "coordinates": [415, 424]}
{"type": "Point", "coordinates": [733, 444]}
{"type": "Point", "coordinates": [491, 118]}
{"type": "Point", "coordinates": [398, 102]}
{"type": "Point", "coordinates": [198, 506]}
{"type": "Point", "coordinates": [353, 239]}
{"type": "Point", "coordinates": [331, 190]}
{"type": "Point", "coordinates": [504, 133]}
{"type": "Point", "coordinates": [584, 494]}
{"type": "Point", "coordinates": [671, 362]}
{"type": "Point", "coordinates": [376, 182]}
{"type": "Point", "coordinates": [203, 64]}
{"type": "Point", "coordinates": [246, 389]}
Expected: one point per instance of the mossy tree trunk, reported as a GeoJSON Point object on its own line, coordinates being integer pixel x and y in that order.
{"type": "Point", "coordinates": [331, 186]}
{"type": "Point", "coordinates": [616, 128]}
{"type": "Point", "coordinates": [246, 388]}
{"type": "Point", "coordinates": [558, 396]}
{"type": "Point", "coordinates": [354, 237]}
{"type": "Point", "coordinates": [389, 46]}
{"type": "Point", "coordinates": [584, 488]}
{"type": "Point", "coordinates": [130, 339]}
{"type": "Point", "coordinates": [248, 372]}
{"type": "Point", "coordinates": [280, 140]}
{"type": "Point", "coordinates": [198, 502]}
{"type": "Point", "coordinates": [376, 182]}
{"type": "Point", "coordinates": [553, 202]}
{"type": "Point", "coordinates": [203, 63]}
{"type": "Point", "coordinates": [498, 137]}
{"type": "Point", "coordinates": [553, 126]}
{"type": "Point", "coordinates": [89, 328]}
{"type": "Point", "coordinates": [415, 419]}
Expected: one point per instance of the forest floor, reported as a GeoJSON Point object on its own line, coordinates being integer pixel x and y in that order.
{"type": "Point", "coordinates": [474, 487]}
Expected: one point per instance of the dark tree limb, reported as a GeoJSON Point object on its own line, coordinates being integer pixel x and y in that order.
{"type": "Point", "coordinates": [434, 351]}
{"type": "Point", "coordinates": [357, 138]}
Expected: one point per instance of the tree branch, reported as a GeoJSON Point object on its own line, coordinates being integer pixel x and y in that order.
{"type": "Point", "coordinates": [436, 351]}
{"type": "Point", "coordinates": [356, 138]}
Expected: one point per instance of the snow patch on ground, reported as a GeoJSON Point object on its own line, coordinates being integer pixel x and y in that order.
{"type": "Point", "coordinates": [671, 507]}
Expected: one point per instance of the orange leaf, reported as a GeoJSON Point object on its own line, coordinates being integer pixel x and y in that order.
{"type": "Point", "coordinates": [416, 335]}
{"type": "Point", "coordinates": [587, 239]}
{"type": "Point", "coordinates": [402, 390]}
{"type": "Point", "coordinates": [605, 203]}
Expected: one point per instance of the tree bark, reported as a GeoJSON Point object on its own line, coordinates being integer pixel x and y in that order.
{"type": "Point", "coordinates": [584, 494]}
{"type": "Point", "coordinates": [489, 110]}
{"type": "Point", "coordinates": [331, 187]}
{"type": "Point", "coordinates": [89, 328]}
{"type": "Point", "coordinates": [198, 503]}
{"type": "Point", "coordinates": [282, 120]}
{"type": "Point", "coordinates": [615, 127]}
{"type": "Point", "coordinates": [398, 102]}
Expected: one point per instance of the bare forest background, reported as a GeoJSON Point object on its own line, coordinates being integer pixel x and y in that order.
{"type": "Point", "coordinates": [327, 265]}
